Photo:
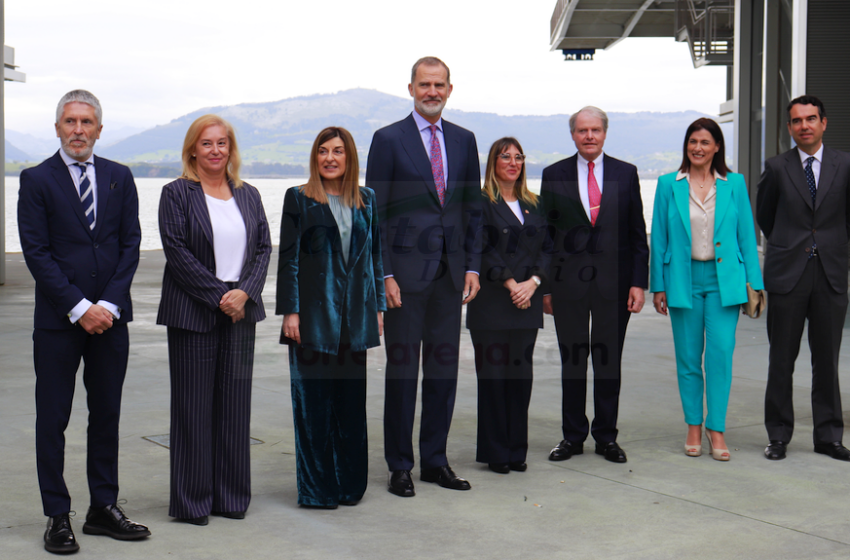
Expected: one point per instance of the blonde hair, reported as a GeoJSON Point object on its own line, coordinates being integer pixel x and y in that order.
{"type": "Point", "coordinates": [350, 183]}
{"type": "Point", "coordinates": [190, 164]}
{"type": "Point", "coordinates": [491, 184]}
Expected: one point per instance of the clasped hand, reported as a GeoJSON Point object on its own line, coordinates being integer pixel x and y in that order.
{"type": "Point", "coordinates": [96, 320]}
{"type": "Point", "coordinates": [521, 292]}
{"type": "Point", "coordinates": [233, 304]}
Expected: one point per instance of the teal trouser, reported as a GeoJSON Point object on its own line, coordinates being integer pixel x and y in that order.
{"type": "Point", "coordinates": [711, 326]}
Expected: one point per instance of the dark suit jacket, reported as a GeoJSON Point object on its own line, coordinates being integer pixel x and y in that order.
{"type": "Point", "coordinates": [613, 253]}
{"type": "Point", "coordinates": [314, 281]}
{"type": "Point", "coordinates": [413, 224]}
{"type": "Point", "coordinates": [510, 250]}
{"type": "Point", "coordinates": [785, 215]}
{"type": "Point", "coordinates": [190, 290]}
{"type": "Point", "coordinates": [68, 260]}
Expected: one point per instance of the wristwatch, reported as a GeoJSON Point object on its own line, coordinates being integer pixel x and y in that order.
{"type": "Point", "coordinates": [536, 280]}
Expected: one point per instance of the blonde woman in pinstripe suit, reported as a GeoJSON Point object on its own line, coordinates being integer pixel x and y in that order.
{"type": "Point", "coordinates": [217, 247]}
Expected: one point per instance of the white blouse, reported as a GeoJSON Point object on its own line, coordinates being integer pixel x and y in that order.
{"type": "Point", "coordinates": [229, 238]}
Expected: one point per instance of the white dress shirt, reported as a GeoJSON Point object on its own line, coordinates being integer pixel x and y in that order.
{"type": "Point", "coordinates": [582, 180]}
{"type": "Point", "coordinates": [815, 164]}
{"type": "Point", "coordinates": [80, 309]}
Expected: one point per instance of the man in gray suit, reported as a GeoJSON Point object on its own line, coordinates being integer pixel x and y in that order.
{"type": "Point", "coordinates": [803, 209]}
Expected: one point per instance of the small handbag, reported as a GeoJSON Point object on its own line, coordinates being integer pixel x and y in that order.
{"type": "Point", "coordinates": [756, 302]}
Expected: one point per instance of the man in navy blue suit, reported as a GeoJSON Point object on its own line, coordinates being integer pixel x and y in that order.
{"type": "Point", "coordinates": [600, 270]}
{"type": "Point", "coordinates": [78, 218]}
{"type": "Point", "coordinates": [427, 180]}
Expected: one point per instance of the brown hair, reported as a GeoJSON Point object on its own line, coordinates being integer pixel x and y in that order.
{"type": "Point", "coordinates": [718, 163]}
{"type": "Point", "coordinates": [491, 185]}
{"type": "Point", "coordinates": [350, 179]}
{"type": "Point", "coordinates": [190, 165]}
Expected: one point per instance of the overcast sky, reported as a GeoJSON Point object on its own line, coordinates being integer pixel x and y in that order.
{"type": "Point", "coordinates": [154, 60]}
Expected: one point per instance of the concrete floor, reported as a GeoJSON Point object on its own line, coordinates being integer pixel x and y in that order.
{"type": "Point", "coordinates": [661, 504]}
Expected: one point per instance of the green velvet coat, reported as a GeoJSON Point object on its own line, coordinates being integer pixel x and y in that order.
{"type": "Point", "coordinates": [314, 281]}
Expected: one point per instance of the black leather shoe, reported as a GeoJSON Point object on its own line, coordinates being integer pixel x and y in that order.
{"type": "Point", "coordinates": [59, 537]}
{"type": "Point", "coordinates": [776, 450]}
{"type": "Point", "coordinates": [201, 521]}
{"type": "Point", "coordinates": [834, 450]}
{"type": "Point", "coordinates": [612, 452]}
{"type": "Point", "coordinates": [400, 484]}
{"type": "Point", "coordinates": [565, 450]}
{"type": "Point", "coordinates": [519, 466]}
{"type": "Point", "coordinates": [445, 477]}
{"type": "Point", "coordinates": [501, 468]}
{"type": "Point", "coordinates": [111, 521]}
{"type": "Point", "coordinates": [230, 514]}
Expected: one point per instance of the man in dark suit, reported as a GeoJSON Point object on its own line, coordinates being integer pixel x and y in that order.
{"type": "Point", "coordinates": [599, 271]}
{"type": "Point", "coordinates": [427, 181]}
{"type": "Point", "coordinates": [78, 218]}
{"type": "Point", "coordinates": [803, 208]}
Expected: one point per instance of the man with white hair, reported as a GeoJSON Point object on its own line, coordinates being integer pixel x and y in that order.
{"type": "Point", "coordinates": [78, 218]}
{"type": "Point", "coordinates": [599, 272]}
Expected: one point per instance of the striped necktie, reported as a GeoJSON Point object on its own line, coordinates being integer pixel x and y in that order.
{"type": "Point", "coordinates": [86, 194]}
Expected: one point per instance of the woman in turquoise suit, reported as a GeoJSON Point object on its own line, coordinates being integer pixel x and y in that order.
{"type": "Point", "coordinates": [330, 290]}
{"type": "Point", "coordinates": [703, 256]}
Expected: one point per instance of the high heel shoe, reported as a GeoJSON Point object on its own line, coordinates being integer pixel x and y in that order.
{"type": "Point", "coordinates": [694, 450]}
{"type": "Point", "coordinates": [716, 453]}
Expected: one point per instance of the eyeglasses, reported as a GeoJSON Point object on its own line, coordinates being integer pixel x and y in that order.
{"type": "Point", "coordinates": [507, 157]}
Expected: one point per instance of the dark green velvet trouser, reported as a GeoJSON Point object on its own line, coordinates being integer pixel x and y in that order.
{"type": "Point", "coordinates": [329, 410]}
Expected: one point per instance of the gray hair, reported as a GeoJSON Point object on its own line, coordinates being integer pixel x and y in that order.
{"type": "Point", "coordinates": [79, 96]}
{"type": "Point", "coordinates": [593, 112]}
{"type": "Point", "coordinates": [430, 61]}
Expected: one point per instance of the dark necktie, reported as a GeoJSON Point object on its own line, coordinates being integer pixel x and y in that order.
{"type": "Point", "coordinates": [437, 165]}
{"type": "Point", "coordinates": [813, 190]}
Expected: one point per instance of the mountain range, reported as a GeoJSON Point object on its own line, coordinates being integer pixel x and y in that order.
{"type": "Point", "coordinates": [282, 132]}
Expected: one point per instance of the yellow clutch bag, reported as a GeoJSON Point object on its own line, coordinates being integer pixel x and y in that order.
{"type": "Point", "coordinates": [756, 302]}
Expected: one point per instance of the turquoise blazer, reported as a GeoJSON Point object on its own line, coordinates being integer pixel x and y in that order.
{"type": "Point", "coordinates": [314, 281]}
{"type": "Point", "coordinates": [736, 254]}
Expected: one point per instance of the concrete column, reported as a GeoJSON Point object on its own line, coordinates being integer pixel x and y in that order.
{"type": "Point", "coordinates": [749, 22]}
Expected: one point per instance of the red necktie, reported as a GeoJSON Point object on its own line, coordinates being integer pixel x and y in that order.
{"type": "Point", "coordinates": [593, 194]}
{"type": "Point", "coordinates": [437, 166]}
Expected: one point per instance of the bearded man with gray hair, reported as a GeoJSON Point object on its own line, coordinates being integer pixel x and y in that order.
{"type": "Point", "coordinates": [78, 219]}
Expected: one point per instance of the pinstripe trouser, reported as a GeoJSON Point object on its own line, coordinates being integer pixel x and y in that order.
{"type": "Point", "coordinates": [210, 418]}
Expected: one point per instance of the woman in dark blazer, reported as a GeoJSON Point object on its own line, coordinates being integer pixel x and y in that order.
{"type": "Point", "coordinates": [330, 290]}
{"type": "Point", "coordinates": [503, 319]}
{"type": "Point", "coordinates": [703, 256]}
{"type": "Point", "coordinates": [217, 247]}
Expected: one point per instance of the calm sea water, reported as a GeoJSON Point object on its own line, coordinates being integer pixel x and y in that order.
{"type": "Point", "coordinates": [272, 191]}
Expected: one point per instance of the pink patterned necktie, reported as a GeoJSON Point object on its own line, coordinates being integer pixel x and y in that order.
{"type": "Point", "coordinates": [593, 194]}
{"type": "Point", "coordinates": [437, 165]}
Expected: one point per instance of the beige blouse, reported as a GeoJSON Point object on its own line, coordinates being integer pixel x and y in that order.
{"type": "Point", "coordinates": [702, 219]}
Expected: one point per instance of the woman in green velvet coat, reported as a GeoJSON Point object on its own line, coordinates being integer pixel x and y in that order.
{"type": "Point", "coordinates": [330, 290]}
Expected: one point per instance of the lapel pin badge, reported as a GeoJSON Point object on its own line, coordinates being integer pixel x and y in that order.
{"type": "Point", "coordinates": [526, 211]}
{"type": "Point", "coordinates": [112, 186]}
